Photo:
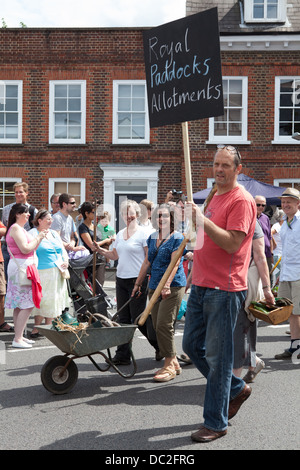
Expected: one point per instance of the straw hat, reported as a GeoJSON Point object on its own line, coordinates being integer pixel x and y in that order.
{"type": "Point", "coordinates": [290, 192]}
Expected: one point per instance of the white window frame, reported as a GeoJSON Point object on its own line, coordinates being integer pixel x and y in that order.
{"type": "Point", "coordinates": [51, 185]}
{"type": "Point", "coordinates": [243, 138]}
{"type": "Point", "coordinates": [290, 181]}
{"type": "Point", "coordinates": [52, 139]}
{"type": "Point", "coordinates": [11, 180]}
{"type": "Point", "coordinates": [19, 83]}
{"type": "Point", "coordinates": [116, 140]}
{"type": "Point", "coordinates": [283, 139]}
{"type": "Point", "coordinates": [249, 13]}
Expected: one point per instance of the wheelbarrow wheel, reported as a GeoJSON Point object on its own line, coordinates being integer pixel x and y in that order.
{"type": "Point", "coordinates": [56, 377]}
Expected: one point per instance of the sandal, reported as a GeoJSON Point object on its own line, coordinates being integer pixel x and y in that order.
{"type": "Point", "coordinates": [6, 328]}
{"type": "Point", "coordinates": [178, 370]}
{"type": "Point", "coordinates": [165, 375]}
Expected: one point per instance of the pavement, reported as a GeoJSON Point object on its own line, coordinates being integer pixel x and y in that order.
{"type": "Point", "coordinates": [122, 417]}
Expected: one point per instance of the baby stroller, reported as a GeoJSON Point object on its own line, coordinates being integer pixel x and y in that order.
{"type": "Point", "coordinates": [81, 290]}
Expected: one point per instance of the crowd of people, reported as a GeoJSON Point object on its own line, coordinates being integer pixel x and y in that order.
{"type": "Point", "coordinates": [239, 256]}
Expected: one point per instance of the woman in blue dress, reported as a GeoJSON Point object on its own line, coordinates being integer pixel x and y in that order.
{"type": "Point", "coordinates": [162, 246]}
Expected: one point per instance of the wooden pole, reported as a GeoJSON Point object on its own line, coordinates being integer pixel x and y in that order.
{"type": "Point", "coordinates": [187, 161]}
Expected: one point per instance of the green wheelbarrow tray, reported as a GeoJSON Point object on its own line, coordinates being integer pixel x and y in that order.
{"type": "Point", "coordinates": [58, 371]}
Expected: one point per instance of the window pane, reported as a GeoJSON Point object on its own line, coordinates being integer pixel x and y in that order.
{"type": "Point", "coordinates": [286, 99]}
{"type": "Point", "coordinates": [220, 129]}
{"type": "Point", "coordinates": [74, 91]}
{"type": "Point", "coordinates": [235, 129]}
{"type": "Point", "coordinates": [285, 114]}
{"type": "Point", "coordinates": [138, 119]}
{"type": "Point", "coordinates": [74, 188]}
{"type": "Point", "coordinates": [124, 118]}
{"type": "Point", "coordinates": [258, 12]}
{"type": "Point", "coordinates": [124, 91]}
{"type": "Point", "coordinates": [235, 86]}
{"type": "Point", "coordinates": [138, 132]}
{"type": "Point", "coordinates": [296, 114]}
{"type": "Point", "coordinates": [75, 119]}
{"type": "Point", "coordinates": [124, 104]}
{"type": "Point", "coordinates": [12, 132]}
{"type": "Point", "coordinates": [124, 132]}
{"type": "Point", "coordinates": [61, 105]}
{"type": "Point", "coordinates": [235, 100]}
{"type": "Point", "coordinates": [11, 105]}
{"type": "Point", "coordinates": [235, 115]}
{"type": "Point", "coordinates": [61, 91]}
{"type": "Point", "coordinates": [74, 132]}
{"type": "Point", "coordinates": [60, 187]}
{"type": "Point", "coordinates": [272, 11]}
{"type": "Point", "coordinates": [11, 91]}
{"type": "Point", "coordinates": [61, 118]}
{"type": "Point", "coordinates": [60, 132]}
{"type": "Point", "coordinates": [138, 91]}
{"type": "Point", "coordinates": [74, 104]}
{"type": "Point", "coordinates": [285, 128]}
{"type": "Point", "coordinates": [12, 119]}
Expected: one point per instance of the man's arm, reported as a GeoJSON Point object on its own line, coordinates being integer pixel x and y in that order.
{"type": "Point", "coordinates": [228, 240]}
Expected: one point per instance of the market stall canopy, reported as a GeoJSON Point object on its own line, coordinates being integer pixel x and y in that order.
{"type": "Point", "coordinates": [254, 187]}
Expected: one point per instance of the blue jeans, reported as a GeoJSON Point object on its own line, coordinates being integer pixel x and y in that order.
{"type": "Point", "coordinates": [208, 340]}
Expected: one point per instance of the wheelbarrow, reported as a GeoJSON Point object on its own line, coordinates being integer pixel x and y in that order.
{"type": "Point", "coordinates": [60, 373]}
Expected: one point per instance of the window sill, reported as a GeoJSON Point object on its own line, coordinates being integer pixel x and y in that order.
{"type": "Point", "coordinates": [228, 142]}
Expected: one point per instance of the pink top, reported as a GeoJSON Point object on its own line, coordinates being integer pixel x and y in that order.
{"type": "Point", "coordinates": [14, 247]}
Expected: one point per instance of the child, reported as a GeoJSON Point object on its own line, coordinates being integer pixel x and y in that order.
{"type": "Point", "coordinates": [105, 231]}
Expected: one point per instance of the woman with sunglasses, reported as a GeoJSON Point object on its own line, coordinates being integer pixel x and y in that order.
{"type": "Point", "coordinates": [22, 247]}
{"type": "Point", "coordinates": [86, 233]}
{"type": "Point", "coordinates": [162, 246]}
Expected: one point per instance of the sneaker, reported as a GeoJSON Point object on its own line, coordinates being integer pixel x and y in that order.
{"type": "Point", "coordinates": [285, 355]}
{"type": "Point", "coordinates": [21, 345]}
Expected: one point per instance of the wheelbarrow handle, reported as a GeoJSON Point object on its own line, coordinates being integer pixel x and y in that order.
{"type": "Point", "coordinates": [123, 306]}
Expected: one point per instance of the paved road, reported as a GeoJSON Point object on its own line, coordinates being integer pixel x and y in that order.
{"type": "Point", "coordinates": [106, 412]}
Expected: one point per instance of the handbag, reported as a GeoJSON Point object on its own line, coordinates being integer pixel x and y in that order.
{"type": "Point", "coordinates": [23, 279]}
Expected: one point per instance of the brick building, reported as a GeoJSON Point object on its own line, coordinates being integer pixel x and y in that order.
{"type": "Point", "coordinates": [73, 108]}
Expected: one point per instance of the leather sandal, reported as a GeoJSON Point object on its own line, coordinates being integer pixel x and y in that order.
{"type": "Point", "coordinates": [165, 374]}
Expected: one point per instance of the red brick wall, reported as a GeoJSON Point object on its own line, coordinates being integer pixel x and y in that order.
{"type": "Point", "coordinates": [100, 56]}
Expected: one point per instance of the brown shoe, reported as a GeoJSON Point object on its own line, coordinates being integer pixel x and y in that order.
{"type": "Point", "coordinates": [236, 403]}
{"type": "Point", "coordinates": [206, 435]}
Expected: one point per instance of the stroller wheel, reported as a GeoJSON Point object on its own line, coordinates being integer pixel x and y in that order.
{"type": "Point", "coordinates": [56, 378]}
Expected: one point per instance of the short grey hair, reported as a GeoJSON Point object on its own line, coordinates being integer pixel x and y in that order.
{"type": "Point", "coordinates": [130, 203]}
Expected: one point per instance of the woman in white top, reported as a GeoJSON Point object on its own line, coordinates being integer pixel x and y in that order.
{"type": "Point", "coordinates": [130, 249]}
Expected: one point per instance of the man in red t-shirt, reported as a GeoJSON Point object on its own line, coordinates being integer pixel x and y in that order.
{"type": "Point", "coordinates": [219, 287]}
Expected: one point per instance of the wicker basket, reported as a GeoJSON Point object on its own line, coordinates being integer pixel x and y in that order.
{"type": "Point", "coordinates": [276, 316]}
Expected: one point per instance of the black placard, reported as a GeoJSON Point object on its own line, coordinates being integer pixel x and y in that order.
{"type": "Point", "coordinates": [183, 69]}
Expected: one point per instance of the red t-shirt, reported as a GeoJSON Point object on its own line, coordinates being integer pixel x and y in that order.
{"type": "Point", "coordinates": [213, 267]}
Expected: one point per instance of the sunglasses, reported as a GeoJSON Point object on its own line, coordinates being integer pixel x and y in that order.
{"type": "Point", "coordinates": [231, 148]}
{"type": "Point", "coordinates": [72, 203]}
{"type": "Point", "coordinates": [261, 205]}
